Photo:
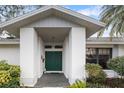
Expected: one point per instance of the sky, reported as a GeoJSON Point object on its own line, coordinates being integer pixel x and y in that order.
{"type": "Point", "coordinates": [89, 10]}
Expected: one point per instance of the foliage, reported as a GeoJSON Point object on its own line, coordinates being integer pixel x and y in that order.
{"type": "Point", "coordinates": [96, 85]}
{"type": "Point", "coordinates": [13, 83]}
{"type": "Point", "coordinates": [113, 16]}
{"type": "Point", "coordinates": [4, 77]}
{"type": "Point", "coordinates": [9, 75]}
{"type": "Point", "coordinates": [95, 73]}
{"type": "Point", "coordinates": [4, 65]}
{"type": "Point", "coordinates": [14, 71]}
{"type": "Point", "coordinates": [117, 64]}
{"type": "Point", "coordinates": [78, 84]}
{"type": "Point", "coordinates": [9, 11]}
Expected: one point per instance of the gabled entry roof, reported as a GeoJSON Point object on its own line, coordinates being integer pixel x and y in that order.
{"type": "Point", "coordinates": [91, 24]}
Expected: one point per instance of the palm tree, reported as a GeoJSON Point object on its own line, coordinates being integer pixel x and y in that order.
{"type": "Point", "coordinates": [113, 16]}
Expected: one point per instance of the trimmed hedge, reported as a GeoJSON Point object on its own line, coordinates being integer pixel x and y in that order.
{"type": "Point", "coordinates": [9, 75]}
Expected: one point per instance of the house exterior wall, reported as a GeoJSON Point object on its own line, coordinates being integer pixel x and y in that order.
{"type": "Point", "coordinates": [65, 54]}
{"type": "Point", "coordinates": [27, 56]}
{"type": "Point", "coordinates": [52, 21]}
{"type": "Point", "coordinates": [10, 52]}
{"type": "Point", "coordinates": [120, 50]}
{"type": "Point", "coordinates": [115, 51]}
{"type": "Point", "coordinates": [77, 54]}
{"type": "Point", "coordinates": [30, 62]}
{"type": "Point", "coordinates": [41, 56]}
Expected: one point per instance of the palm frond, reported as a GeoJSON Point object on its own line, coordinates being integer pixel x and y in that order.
{"type": "Point", "coordinates": [113, 16]}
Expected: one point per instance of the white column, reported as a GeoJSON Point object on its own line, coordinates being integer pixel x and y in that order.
{"type": "Point", "coordinates": [77, 60]}
{"type": "Point", "coordinates": [27, 56]}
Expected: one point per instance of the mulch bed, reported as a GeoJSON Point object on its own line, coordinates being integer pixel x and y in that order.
{"type": "Point", "coordinates": [114, 82]}
{"type": "Point", "coordinates": [109, 83]}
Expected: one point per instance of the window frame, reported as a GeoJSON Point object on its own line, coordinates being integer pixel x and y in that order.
{"type": "Point", "coordinates": [98, 54]}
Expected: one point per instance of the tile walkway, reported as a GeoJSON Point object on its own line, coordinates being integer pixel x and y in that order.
{"type": "Point", "coordinates": [57, 80]}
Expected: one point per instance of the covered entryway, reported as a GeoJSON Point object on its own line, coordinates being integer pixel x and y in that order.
{"type": "Point", "coordinates": [53, 60]}
{"type": "Point", "coordinates": [44, 55]}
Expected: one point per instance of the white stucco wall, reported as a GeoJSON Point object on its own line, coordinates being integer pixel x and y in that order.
{"type": "Point", "coordinates": [114, 51]}
{"type": "Point", "coordinates": [52, 21]}
{"type": "Point", "coordinates": [41, 56]}
{"type": "Point", "coordinates": [39, 51]}
{"type": "Point", "coordinates": [65, 54]}
{"type": "Point", "coordinates": [120, 50]}
{"type": "Point", "coordinates": [29, 56]}
{"type": "Point", "coordinates": [77, 47]}
{"type": "Point", "coordinates": [10, 52]}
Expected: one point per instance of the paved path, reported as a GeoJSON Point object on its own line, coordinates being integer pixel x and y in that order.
{"type": "Point", "coordinates": [52, 80]}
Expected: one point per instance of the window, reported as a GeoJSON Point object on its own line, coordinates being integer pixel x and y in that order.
{"type": "Point", "coordinates": [91, 55]}
{"type": "Point", "coordinates": [98, 56]}
{"type": "Point", "coordinates": [58, 46]}
{"type": "Point", "coordinates": [48, 46]}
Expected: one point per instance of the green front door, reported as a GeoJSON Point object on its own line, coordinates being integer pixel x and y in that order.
{"type": "Point", "coordinates": [53, 60]}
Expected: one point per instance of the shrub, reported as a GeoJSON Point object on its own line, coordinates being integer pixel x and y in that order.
{"type": "Point", "coordinates": [95, 73]}
{"type": "Point", "coordinates": [9, 75]}
{"type": "Point", "coordinates": [4, 77]}
{"type": "Point", "coordinates": [117, 64]}
{"type": "Point", "coordinates": [78, 84]}
{"type": "Point", "coordinates": [14, 83]}
{"type": "Point", "coordinates": [4, 65]}
{"type": "Point", "coordinates": [15, 74]}
{"type": "Point", "coordinates": [14, 71]}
